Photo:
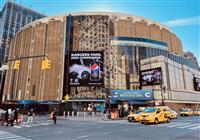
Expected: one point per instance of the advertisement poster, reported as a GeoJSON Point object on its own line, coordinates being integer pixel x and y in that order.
{"type": "Point", "coordinates": [151, 77]}
{"type": "Point", "coordinates": [86, 68]}
{"type": "Point", "coordinates": [197, 84]}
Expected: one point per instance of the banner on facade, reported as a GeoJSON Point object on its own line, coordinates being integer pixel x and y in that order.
{"type": "Point", "coordinates": [197, 84]}
{"type": "Point", "coordinates": [86, 68]}
{"type": "Point", "coordinates": [151, 76]}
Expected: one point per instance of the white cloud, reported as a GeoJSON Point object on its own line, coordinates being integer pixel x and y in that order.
{"type": "Point", "coordinates": [183, 21]}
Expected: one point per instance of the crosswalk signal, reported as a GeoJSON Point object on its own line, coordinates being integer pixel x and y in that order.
{"type": "Point", "coordinates": [16, 65]}
{"type": "Point", "coordinates": [46, 64]}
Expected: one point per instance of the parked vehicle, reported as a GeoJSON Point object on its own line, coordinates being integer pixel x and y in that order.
{"type": "Point", "coordinates": [174, 114]}
{"type": "Point", "coordinates": [186, 112]}
{"type": "Point", "coordinates": [197, 112]}
{"type": "Point", "coordinates": [155, 115]}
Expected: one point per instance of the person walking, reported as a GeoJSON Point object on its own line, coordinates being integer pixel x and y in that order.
{"type": "Point", "coordinates": [55, 114]}
{"type": "Point", "coordinates": [11, 117]}
{"type": "Point", "coordinates": [5, 119]}
{"type": "Point", "coordinates": [16, 115]}
{"type": "Point", "coordinates": [30, 116]}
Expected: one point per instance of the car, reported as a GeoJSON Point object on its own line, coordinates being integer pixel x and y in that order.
{"type": "Point", "coordinates": [197, 112]}
{"type": "Point", "coordinates": [155, 115]}
{"type": "Point", "coordinates": [134, 117]}
{"type": "Point", "coordinates": [174, 114]}
{"type": "Point", "coordinates": [80, 71]}
{"type": "Point", "coordinates": [186, 112]}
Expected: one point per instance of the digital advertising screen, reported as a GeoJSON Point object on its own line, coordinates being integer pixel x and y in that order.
{"type": "Point", "coordinates": [86, 68]}
{"type": "Point", "coordinates": [197, 84]}
{"type": "Point", "coordinates": [151, 77]}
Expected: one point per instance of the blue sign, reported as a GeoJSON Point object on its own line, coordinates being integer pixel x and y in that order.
{"type": "Point", "coordinates": [139, 95]}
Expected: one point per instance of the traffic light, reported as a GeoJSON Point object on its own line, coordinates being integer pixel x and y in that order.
{"type": "Point", "coordinates": [16, 65]}
{"type": "Point", "coordinates": [46, 64]}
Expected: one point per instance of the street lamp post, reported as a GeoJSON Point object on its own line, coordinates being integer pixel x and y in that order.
{"type": "Point", "coordinates": [162, 97]}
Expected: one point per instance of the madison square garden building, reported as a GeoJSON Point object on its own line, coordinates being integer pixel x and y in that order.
{"type": "Point", "coordinates": [90, 55]}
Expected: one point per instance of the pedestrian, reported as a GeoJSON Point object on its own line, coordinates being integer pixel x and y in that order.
{"type": "Point", "coordinates": [104, 115]}
{"type": "Point", "coordinates": [54, 115]}
{"type": "Point", "coordinates": [30, 116]}
{"type": "Point", "coordinates": [11, 117]}
{"type": "Point", "coordinates": [95, 109]}
{"type": "Point", "coordinates": [16, 115]}
{"type": "Point", "coordinates": [75, 111]}
{"type": "Point", "coordinates": [5, 118]}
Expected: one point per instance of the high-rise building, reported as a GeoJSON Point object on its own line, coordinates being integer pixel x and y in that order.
{"type": "Point", "coordinates": [12, 18]}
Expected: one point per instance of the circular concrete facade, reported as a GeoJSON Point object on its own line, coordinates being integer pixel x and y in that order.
{"type": "Point", "coordinates": [53, 37]}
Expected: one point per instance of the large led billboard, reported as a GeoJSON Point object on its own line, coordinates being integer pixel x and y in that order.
{"type": "Point", "coordinates": [86, 68]}
{"type": "Point", "coordinates": [151, 77]}
{"type": "Point", "coordinates": [197, 84]}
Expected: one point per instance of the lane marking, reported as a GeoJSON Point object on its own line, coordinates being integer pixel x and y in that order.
{"type": "Point", "coordinates": [81, 137]}
{"type": "Point", "coordinates": [105, 133]}
{"type": "Point", "coordinates": [58, 132]}
{"type": "Point", "coordinates": [178, 125]}
{"type": "Point", "coordinates": [194, 128]}
{"type": "Point", "coordinates": [189, 126]}
{"type": "Point", "coordinates": [166, 124]}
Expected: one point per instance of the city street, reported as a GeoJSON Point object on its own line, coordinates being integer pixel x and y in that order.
{"type": "Point", "coordinates": [183, 128]}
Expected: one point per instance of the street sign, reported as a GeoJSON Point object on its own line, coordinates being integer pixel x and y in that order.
{"type": "Point", "coordinates": [67, 97]}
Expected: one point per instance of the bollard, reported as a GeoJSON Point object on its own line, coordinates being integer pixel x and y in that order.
{"type": "Point", "coordinates": [68, 113]}
{"type": "Point", "coordinates": [93, 114]}
{"type": "Point", "coordinates": [63, 114]}
{"type": "Point", "coordinates": [83, 114]}
{"type": "Point", "coordinates": [77, 114]}
{"type": "Point", "coordinates": [72, 113]}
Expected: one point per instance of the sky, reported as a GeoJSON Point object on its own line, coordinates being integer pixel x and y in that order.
{"type": "Point", "coordinates": [181, 16]}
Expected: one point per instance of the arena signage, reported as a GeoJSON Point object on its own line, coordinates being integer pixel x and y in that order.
{"type": "Point", "coordinates": [151, 77]}
{"type": "Point", "coordinates": [141, 42]}
{"type": "Point", "coordinates": [143, 95]}
{"type": "Point", "coordinates": [86, 68]}
{"type": "Point", "coordinates": [197, 84]}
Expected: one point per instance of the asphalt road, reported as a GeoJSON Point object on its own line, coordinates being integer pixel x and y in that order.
{"type": "Point", "coordinates": [183, 128]}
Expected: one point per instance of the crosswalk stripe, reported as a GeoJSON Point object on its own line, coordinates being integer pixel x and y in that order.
{"type": "Point", "coordinates": [195, 128]}
{"type": "Point", "coordinates": [191, 125]}
{"type": "Point", "coordinates": [160, 125]}
{"type": "Point", "coordinates": [10, 136]}
{"type": "Point", "coordinates": [178, 124]}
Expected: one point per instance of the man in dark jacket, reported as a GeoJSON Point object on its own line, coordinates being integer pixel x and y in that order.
{"type": "Point", "coordinates": [16, 115]}
{"type": "Point", "coordinates": [55, 114]}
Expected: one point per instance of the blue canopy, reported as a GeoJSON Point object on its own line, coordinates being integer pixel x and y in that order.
{"type": "Point", "coordinates": [50, 102]}
{"type": "Point", "coordinates": [27, 102]}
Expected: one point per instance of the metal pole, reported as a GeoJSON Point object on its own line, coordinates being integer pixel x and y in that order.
{"type": "Point", "coordinates": [161, 95]}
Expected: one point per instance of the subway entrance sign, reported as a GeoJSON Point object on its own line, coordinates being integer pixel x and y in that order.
{"type": "Point", "coordinates": [132, 95]}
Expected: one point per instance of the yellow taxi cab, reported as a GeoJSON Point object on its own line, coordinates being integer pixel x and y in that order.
{"type": "Point", "coordinates": [186, 112]}
{"type": "Point", "coordinates": [197, 112]}
{"type": "Point", "coordinates": [174, 114]}
{"type": "Point", "coordinates": [134, 117]}
{"type": "Point", "coordinates": [155, 115]}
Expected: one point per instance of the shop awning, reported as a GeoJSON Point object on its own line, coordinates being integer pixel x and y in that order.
{"type": "Point", "coordinates": [25, 102]}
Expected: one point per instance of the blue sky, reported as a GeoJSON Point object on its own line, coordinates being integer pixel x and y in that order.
{"type": "Point", "coordinates": [182, 16]}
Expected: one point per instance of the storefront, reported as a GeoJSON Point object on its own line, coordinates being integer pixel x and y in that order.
{"type": "Point", "coordinates": [130, 100]}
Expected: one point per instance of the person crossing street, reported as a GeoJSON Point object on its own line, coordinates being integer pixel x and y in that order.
{"type": "Point", "coordinates": [54, 115]}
